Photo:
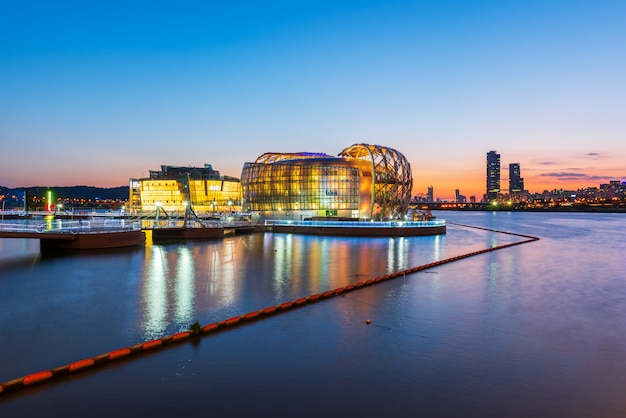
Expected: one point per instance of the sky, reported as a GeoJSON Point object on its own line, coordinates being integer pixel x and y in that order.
{"type": "Point", "coordinates": [98, 92]}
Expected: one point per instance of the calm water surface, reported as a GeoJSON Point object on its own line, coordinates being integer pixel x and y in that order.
{"type": "Point", "coordinates": [533, 330]}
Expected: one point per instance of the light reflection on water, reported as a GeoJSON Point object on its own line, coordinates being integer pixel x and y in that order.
{"type": "Point", "coordinates": [162, 289]}
{"type": "Point", "coordinates": [533, 330]}
{"type": "Point", "coordinates": [155, 295]}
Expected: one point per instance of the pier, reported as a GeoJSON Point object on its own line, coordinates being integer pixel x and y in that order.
{"type": "Point", "coordinates": [118, 229]}
{"type": "Point", "coordinates": [76, 234]}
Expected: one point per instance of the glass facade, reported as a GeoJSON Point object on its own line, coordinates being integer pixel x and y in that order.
{"type": "Point", "coordinates": [319, 187]}
{"type": "Point", "coordinates": [393, 179]}
{"type": "Point", "coordinates": [175, 187]}
{"type": "Point", "coordinates": [493, 175]}
{"type": "Point", "coordinates": [372, 185]}
{"type": "Point", "coordinates": [362, 182]}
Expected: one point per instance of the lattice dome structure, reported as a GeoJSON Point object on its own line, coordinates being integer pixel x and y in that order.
{"type": "Point", "coordinates": [393, 179]}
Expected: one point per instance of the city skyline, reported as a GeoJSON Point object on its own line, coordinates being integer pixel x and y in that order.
{"type": "Point", "coordinates": [98, 94]}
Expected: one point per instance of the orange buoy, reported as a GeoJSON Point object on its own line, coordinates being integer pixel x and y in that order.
{"type": "Point", "coordinates": [300, 301]}
{"type": "Point", "coordinates": [210, 327]}
{"type": "Point", "coordinates": [232, 321]}
{"type": "Point", "coordinates": [149, 345]}
{"type": "Point", "coordinates": [181, 336]}
{"type": "Point", "coordinates": [286, 305]}
{"type": "Point", "coordinates": [81, 364]}
{"type": "Point", "coordinates": [314, 297]}
{"type": "Point", "coordinates": [368, 322]}
{"type": "Point", "coordinates": [33, 378]}
{"type": "Point", "coordinates": [269, 310]}
{"type": "Point", "coordinates": [122, 352]}
{"type": "Point", "coordinates": [252, 315]}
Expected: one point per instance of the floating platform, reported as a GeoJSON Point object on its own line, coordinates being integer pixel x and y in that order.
{"type": "Point", "coordinates": [166, 234]}
{"type": "Point", "coordinates": [360, 228]}
{"type": "Point", "coordinates": [91, 241]}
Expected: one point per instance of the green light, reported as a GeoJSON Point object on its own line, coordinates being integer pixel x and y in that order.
{"type": "Point", "coordinates": [49, 201]}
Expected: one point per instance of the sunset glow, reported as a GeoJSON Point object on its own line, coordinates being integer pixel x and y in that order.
{"type": "Point", "coordinates": [96, 94]}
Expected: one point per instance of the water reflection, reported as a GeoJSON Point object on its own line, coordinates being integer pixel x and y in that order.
{"type": "Point", "coordinates": [532, 330]}
{"type": "Point", "coordinates": [13, 251]}
{"type": "Point", "coordinates": [227, 272]}
{"type": "Point", "coordinates": [397, 254]}
{"type": "Point", "coordinates": [155, 293]}
{"type": "Point", "coordinates": [209, 281]}
{"type": "Point", "coordinates": [283, 252]}
{"type": "Point", "coordinates": [185, 286]}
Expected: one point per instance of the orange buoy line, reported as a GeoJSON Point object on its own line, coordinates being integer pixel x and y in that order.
{"type": "Point", "coordinates": [495, 230]}
{"type": "Point", "coordinates": [121, 353]}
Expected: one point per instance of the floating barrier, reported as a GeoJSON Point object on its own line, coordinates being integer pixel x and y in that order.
{"type": "Point", "coordinates": [38, 377]}
{"type": "Point", "coordinates": [81, 365]}
{"type": "Point", "coordinates": [149, 345]}
{"type": "Point", "coordinates": [210, 327]}
{"type": "Point", "coordinates": [252, 315]}
{"type": "Point", "coordinates": [122, 352]}
{"type": "Point", "coordinates": [269, 310]}
{"type": "Point", "coordinates": [232, 321]}
{"type": "Point", "coordinates": [181, 336]}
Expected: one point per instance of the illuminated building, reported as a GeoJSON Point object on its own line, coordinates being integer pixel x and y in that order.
{"type": "Point", "coordinates": [493, 175]}
{"type": "Point", "coordinates": [362, 182]}
{"type": "Point", "coordinates": [516, 182]}
{"type": "Point", "coordinates": [173, 187]}
{"type": "Point", "coordinates": [430, 194]}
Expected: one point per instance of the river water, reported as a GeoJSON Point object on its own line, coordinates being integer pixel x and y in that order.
{"type": "Point", "coordinates": [537, 329]}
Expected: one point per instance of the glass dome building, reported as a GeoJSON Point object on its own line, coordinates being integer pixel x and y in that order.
{"type": "Point", "coordinates": [370, 182]}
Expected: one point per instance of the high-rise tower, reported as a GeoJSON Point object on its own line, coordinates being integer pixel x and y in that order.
{"type": "Point", "coordinates": [493, 175]}
{"type": "Point", "coordinates": [516, 182]}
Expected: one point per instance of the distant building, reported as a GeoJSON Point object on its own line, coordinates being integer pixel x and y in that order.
{"type": "Point", "coordinates": [430, 196]}
{"type": "Point", "coordinates": [458, 197]}
{"type": "Point", "coordinates": [175, 187]}
{"type": "Point", "coordinates": [493, 176]}
{"type": "Point", "coordinates": [516, 182]}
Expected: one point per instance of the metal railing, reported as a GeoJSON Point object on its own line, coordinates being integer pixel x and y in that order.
{"type": "Point", "coordinates": [73, 226]}
{"type": "Point", "coordinates": [359, 224]}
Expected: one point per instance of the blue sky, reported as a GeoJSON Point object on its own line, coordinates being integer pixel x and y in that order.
{"type": "Point", "coordinates": [98, 92]}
